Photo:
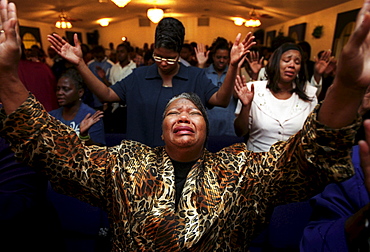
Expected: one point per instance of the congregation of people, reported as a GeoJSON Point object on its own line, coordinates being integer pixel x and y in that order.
{"type": "Point", "coordinates": [111, 66]}
{"type": "Point", "coordinates": [143, 135]}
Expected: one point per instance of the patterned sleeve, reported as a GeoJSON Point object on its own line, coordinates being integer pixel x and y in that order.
{"type": "Point", "coordinates": [314, 157]}
{"type": "Point", "coordinates": [43, 142]}
{"type": "Point", "coordinates": [299, 168]}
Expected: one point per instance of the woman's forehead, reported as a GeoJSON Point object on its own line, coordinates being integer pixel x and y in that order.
{"type": "Point", "coordinates": [291, 52]}
{"type": "Point", "coordinates": [181, 102]}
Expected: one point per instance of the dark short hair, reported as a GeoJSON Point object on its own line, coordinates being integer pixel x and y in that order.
{"type": "Point", "coordinates": [279, 40]}
{"type": "Point", "coordinates": [98, 49]}
{"type": "Point", "coordinates": [169, 34]}
{"type": "Point", "coordinates": [124, 45]}
{"type": "Point", "coordinates": [219, 43]}
{"type": "Point", "coordinates": [75, 76]}
{"type": "Point", "coordinates": [194, 98]}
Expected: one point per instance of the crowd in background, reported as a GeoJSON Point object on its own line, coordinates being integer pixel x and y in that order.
{"type": "Point", "coordinates": [101, 60]}
{"type": "Point", "coordinates": [280, 84]}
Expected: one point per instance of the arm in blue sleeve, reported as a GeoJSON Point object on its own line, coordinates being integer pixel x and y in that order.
{"type": "Point", "coordinates": [331, 209]}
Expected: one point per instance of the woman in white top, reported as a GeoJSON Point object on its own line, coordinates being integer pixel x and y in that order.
{"type": "Point", "coordinates": [275, 109]}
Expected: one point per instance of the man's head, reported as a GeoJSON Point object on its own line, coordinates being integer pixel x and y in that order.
{"type": "Point", "coordinates": [122, 53]}
{"type": "Point", "coordinates": [306, 48]}
{"type": "Point", "coordinates": [185, 122]}
{"type": "Point", "coordinates": [98, 53]}
{"type": "Point", "coordinates": [186, 52]}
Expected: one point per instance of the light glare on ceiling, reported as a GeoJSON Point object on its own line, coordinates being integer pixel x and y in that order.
{"type": "Point", "coordinates": [252, 22]}
{"type": "Point", "coordinates": [104, 21]}
{"type": "Point", "coordinates": [239, 21]}
{"type": "Point", "coordinates": [154, 14]}
{"type": "Point", "coordinates": [121, 3]}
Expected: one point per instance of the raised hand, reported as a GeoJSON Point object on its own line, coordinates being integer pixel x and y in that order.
{"type": "Point", "coordinates": [240, 48]}
{"type": "Point", "coordinates": [100, 71]}
{"type": "Point", "coordinates": [342, 100]}
{"type": "Point", "coordinates": [89, 121]}
{"type": "Point", "coordinates": [354, 63]}
{"type": "Point", "coordinates": [323, 62]}
{"type": "Point", "coordinates": [201, 54]}
{"type": "Point", "coordinates": [255, 64]}
{"type": "Point", "coordinates": [10, 41]}
{"type": "Point", "coordinates": [241, 89]}
{"type": "Point", "coordinates": [71, 53]}
{"type": "Point", "coordinates": [12, 91]}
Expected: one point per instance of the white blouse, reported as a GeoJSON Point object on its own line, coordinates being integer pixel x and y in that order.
{"type": "Point", "coordinates": [271, 119]}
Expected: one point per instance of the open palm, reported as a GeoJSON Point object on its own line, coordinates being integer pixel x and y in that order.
{"type": "Point", "coordinates": [241, 48]}
{"type": "Point", "coordinates": [71, 53]}
{"type": "Point", "coordinates": [241, 89]}
{"type": "Point", "coordinates": [10, 41]}
{"type": "Point", "coordinates": [355, 58]}
{"type": "Point", "coordinates": [89, 121]}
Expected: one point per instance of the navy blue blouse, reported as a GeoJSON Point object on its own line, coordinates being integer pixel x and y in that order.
{"type": "Point", "coordinates": [146, 98]}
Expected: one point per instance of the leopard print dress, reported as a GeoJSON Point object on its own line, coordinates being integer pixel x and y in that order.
{"type": "Point", "coordinates": [226, 197]}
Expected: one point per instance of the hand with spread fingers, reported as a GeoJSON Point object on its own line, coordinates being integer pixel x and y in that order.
{"type": "Point", "coordinates": [255, 64]}
{"type": "Point", "coordinates": [241, 48]}
{"type": "Point", "coordinates": [71, 53]}
{"type": "Point", "coordinates": [202, 54]}
{"type": "Point", "coordinates": [352, 76]}
{"type": "Point", "coordinates": [354, 67]}
{"type": "Point", "coordinates": [322, 63]}
{"type": "Point", "coordinates": [245, 94]}
{"type": "Point", "coordinates": [89, 121]}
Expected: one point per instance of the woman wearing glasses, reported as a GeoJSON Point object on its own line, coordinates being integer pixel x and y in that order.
{"type": "Point", "coordinates": [147, 90]}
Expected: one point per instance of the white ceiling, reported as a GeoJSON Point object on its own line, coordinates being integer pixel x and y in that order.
{"type": "Point", "coordinates": [85, 13]}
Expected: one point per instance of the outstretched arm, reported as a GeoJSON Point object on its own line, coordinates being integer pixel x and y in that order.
{"type": "Point", "coordinates": [344, 97]}
{"type": "Point", "coordinates": [74, 55]}
{"type": "Point", "coordinates": [238, 51]}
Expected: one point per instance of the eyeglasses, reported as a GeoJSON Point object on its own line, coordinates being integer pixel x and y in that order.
{"type": "Point", "coordinates": [168, 61]}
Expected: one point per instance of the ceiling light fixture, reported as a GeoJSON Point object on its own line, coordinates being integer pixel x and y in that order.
{"type": "Point", "coordinates": [121, 3]}
{"type": "Point", "coordinates": [239, 21]}
{"type": "Point", "coordinates": [63, 23]}
{"type": "Point", "coordinates": [253, 21]}
{"type": "Point", "coordinates": [154, 14]}
{"type": "Point", "coordinates": [104, 21]}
